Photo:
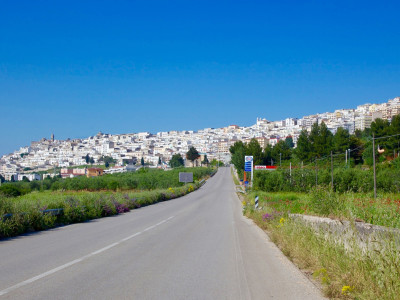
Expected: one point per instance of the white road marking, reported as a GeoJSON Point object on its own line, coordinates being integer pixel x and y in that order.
{"type": "Point", "coordinates": [105, 248]}
{"type": "Point", "coordinates": [71, 263]}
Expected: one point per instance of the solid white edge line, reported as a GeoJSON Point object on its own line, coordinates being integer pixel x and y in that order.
{"type": "Point", "coordinates": [52, 271]}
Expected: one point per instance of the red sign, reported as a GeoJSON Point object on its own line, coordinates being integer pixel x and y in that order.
{"type": "Point", "coordinates": [270, 168]}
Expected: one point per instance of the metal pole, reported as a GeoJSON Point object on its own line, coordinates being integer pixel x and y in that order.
{"type": "Point", "coordinates": [316, 172]}
{"type": "Point", "coordinates": [332, 169]}
{"type": "Point", "coordinates": [349, 152]}
{"type": "Point", "coordinates": [251, 173]}
{"type": "Point", "coordinates": [373, 157]}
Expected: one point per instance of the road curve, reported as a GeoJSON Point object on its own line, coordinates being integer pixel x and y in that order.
{"type": "Point", "coordinates": [195, 247]}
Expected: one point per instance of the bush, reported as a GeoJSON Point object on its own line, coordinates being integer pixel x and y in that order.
{"type": "Point", "coordinates": [10, 190]}
{"type": "Point", "coordinates": [345, 180]}
{"type": "Point", "coordinates": [325, 201]}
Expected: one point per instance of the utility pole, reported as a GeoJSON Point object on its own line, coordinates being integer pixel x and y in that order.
{"type": "Point", "coordinates": [332, 170]}
{"type": "Point", "coordinates": [316, 172]}
{"type": "Point", "coordinates": [349, 152]}
{"type": "Point", "coordinates": [373, 157]}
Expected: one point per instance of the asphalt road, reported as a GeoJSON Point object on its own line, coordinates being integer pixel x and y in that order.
{"type": "Point", "coordinates": [195, 247]}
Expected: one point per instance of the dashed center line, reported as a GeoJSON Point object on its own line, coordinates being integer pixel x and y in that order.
{"type": "Point", "coordinates": [71, 263]}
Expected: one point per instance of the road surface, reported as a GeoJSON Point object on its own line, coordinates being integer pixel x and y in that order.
{"type": "Point", "coordinates": [195, 247]}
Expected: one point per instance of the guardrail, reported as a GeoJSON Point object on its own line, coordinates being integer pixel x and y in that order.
{"type": "Point", "coordinates": [53, 212]}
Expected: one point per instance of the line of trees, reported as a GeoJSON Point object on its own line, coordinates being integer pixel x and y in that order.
{"type": "Point", "coordinates": [320, 142]}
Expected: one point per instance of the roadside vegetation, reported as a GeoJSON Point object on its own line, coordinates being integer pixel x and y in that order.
{"type": "Point", "coordinates": [144, 179]}
{"type": "Point", "coordinates": [343, 273]}
{"type": "Point", "coordinates": [80, 199]}
{"type": "Point", "coordinates": [331, 175]}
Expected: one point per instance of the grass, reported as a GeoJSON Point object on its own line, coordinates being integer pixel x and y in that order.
{"type": "Point", "coordinates": [384, 211]}
{"type": "Point", "coordinates": [235, 180]}
{"type": "Point", "coordinates": [345, 273]}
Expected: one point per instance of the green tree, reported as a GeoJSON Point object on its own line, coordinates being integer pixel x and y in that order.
{"type": "Point", "coordinates": [341, 140]}
{"type": "Point", "coordinates": [380, 127]}
{"type": "Point", "coordinates": [176, 161]}
{"type": "Point", "coordinates": [87, 158]}
{"type": "Point", "coordinates": [321, 140]}
{"type": "Point", "coordinates": [254, 149]}
{"type": "Point", "coordinates": [192, 154]}
{"type": "Point", "coordinates": [303, 149]}
{"type": "Point", "coordinates": [205, 160]}
{"type": "Point", "coordinates": [106, 164]}
{"type": "Point", "coordinates": [142, 161]}
{"type": "Point", "coordinates": [216, 163]}
{"type": "Point", "coordinates": [367, 156]}
{"type": "Point", "coordinates": [238, 151]}
{"type": "Point", "coordinates": [267, 156]}
{"type": "Point", "coordinates": [10, 190]}
{"type": "Point", "coordinates": [159, 161]}
{"type": "Point", "coordinates": [289, 141]}
{"type": "Point", "coordinates": [392, 144]}
{"type": "Point", "coordinates": [356, 146]}
{"type": "Point", "coordinates": [91, 160]}
{"type": "Point", "coordinates": [108, 159]}
{"type": "Point", "coordinates": [237, 145]}
{"type": "Point", "coordinates": [358, 133]}
{"type": "Point", "coordinates": [281, 150]}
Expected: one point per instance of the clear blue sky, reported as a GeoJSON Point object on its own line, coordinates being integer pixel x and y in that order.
{"type": "Point", "coordinates": [79, 67]}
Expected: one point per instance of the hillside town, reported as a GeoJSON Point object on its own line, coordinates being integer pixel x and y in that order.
{"type": "Point", "coordinates": [129, 149]}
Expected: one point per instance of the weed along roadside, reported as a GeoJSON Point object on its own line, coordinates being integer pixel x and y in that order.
{"type": "Point", "coordinates": [322, 233]}
{"type": "Point", "coordinates": [43, 210]}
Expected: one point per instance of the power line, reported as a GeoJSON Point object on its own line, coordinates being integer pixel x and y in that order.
{"type": "Point", "coordinates": [385, 137]}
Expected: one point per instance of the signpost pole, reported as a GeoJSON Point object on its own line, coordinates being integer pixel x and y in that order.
{"type": "Point", "coordinates": [252, 171]}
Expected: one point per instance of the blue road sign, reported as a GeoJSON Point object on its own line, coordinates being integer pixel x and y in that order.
{"type": "Point", "coordinates": [248, 163]}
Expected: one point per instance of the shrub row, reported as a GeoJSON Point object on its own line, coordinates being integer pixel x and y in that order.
{"type": "Point", "coordinates": [301, 180]}
{"type": "Point", "coordinates": [145, 179]}
{"type": "Point", "coordinates": [18, 217]}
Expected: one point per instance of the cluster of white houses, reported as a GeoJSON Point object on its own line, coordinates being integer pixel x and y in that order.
{"type": "Point", "coordinates": [129, 149]}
